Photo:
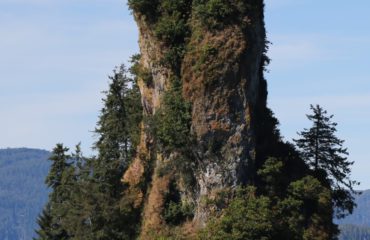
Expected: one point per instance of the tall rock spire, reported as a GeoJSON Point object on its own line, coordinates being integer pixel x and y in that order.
{"type": "Point", "coordinates": [210, 55]}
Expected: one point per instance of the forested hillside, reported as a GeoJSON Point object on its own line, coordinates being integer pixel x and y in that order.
{"type": "Point", "coordinates": [354, 232]}
{"type": "Point", "coordinates": [22, 191]}
{"type": "Point", "coordinates": [361, 214]}
{"type": "Point", "coordinates": [357, 225]}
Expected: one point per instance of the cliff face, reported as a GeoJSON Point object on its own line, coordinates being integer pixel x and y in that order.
{"type": "Point", "coordinates": [219, 69]}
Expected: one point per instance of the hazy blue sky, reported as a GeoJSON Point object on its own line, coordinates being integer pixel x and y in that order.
{"type": "Point", "coordinates": [55, 56]}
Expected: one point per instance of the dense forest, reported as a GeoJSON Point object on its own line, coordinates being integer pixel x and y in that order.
{"type": "Point", "coordinates": [22, 191]}
{"type": "Point", "coordinates": [187, 147]}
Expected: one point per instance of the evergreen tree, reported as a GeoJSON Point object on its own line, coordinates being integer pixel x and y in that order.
{"type": "Point", "coordinates": [45, 227]}
{"type": "Point", "coordinates": [76, 219]}
{"type": "Point", "coordinates": [58, 167]}
{"type": "Point", "coordinates": [324, 153]}
{"type": "Point", "coordinates": [118, 123]}
{"type": "Point", "coordinates": [51, 221]}
{"type": "Point", "coordinates": [246, 217]}
{"type": "Point", "coordinates": [118, 135]}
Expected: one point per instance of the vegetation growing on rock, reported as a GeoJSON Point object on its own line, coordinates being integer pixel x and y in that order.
{"type": "Point", "coordinates": [173, 119]}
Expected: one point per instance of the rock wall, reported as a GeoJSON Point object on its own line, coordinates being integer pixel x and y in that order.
{"type": "Point", "coordinates": [222, 79]}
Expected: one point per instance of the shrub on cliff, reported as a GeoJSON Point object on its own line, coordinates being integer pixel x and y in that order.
{"type": "Point", "coordinates": [173, 120]}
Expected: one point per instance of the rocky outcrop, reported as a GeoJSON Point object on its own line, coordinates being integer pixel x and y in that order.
{"type": "Point", "coordinates": [220, 71]}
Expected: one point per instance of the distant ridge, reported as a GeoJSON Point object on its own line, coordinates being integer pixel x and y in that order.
{"type": "Point", "coordinates": [22, 191]}
{"type": "Point", "coordinates": [361, 214]}
{"type": "Point", "coordinates": [357, 225]}
{"type": "Point", "coordinates": [354, 232]}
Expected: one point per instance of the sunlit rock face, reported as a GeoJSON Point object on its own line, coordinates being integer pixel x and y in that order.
{"type": "Point", "coordinates": [221, 74]}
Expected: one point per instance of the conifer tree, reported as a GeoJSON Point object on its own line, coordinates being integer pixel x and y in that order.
{"type": "Point", "coordinates": [44, 222]}
{"type": "Point", "coordinates": [60, 163]}
{"type": "Point", "coordinates": [119, 118]}
{"type": "Point", "coordinates": [76, 219]}
{"type": "Point", "coordinates": [51, 220]}
{"type": "Point", "coordinates": [323, 151]}
{"type": "Point", "coordinates": [118, 131]}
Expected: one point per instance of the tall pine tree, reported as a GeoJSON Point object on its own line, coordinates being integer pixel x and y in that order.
{"type": "Point", "coordinates": [117, 130]}
{"type": "Point", "coordinates": [324, 153]}
{"type": "Point", "coordinates": [51, 220]}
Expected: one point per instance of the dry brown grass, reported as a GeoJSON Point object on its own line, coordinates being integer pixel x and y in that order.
{"type": "Point", "coordinates": [153, 222]}
{"type": "Point", "coordinates": [211, 57]}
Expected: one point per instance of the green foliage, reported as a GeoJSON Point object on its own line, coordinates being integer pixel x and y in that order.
{"type": "Point", "coordinates": [173, 213]}
{"type": "Point", "coordinates": [176, 211]}
{"type": "Point", "coordinates": [144, 7]}
{"type": "Point", "coordinates": [118, 127]}
{"type": "Point", "coordinates": [324, 153]}
{"type": "Point", "coordinates": [44, 221]}
{"type": "Point", "coordinates": [308, 193]}
{"type": "Point", "coordinates": [173, 120]}
{"type": "Point", "coordinates": [207, 52]}
{"type": "Point", "coordinates": [59, 181]}
{"type": "Point", "coordinates": [215, 14]}
{"type": "Point", "coordinates": [139, 71]}
{"type": "Point", "coordinates": [172, 29]}
{"type": "Point", "coordinates": [272, 177]}
{"type": "Point", "coordinates": [302, 212]}
{"type": "Point", "coordinates": [173, 57]}
{"type": "Point", "coordinates": [247, 217]}
{"type": "Point", "coordinates": [59, 165]}
{"type": "Point", "coordinates": [211, 11]}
